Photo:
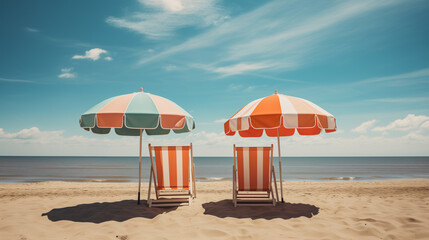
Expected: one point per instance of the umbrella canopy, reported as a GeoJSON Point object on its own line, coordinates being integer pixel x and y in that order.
{"type": "Point", "coordinates": [280, 116]}
{"type": "Point", "coordinates": [280, 113]}
{"type": "Point", "coordinates": [135, 113]}
{"type": "Point", "coordinates": [130, 113]}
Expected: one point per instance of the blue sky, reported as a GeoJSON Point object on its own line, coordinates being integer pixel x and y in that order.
{"type": "Point", "coordinates": [366, 62]}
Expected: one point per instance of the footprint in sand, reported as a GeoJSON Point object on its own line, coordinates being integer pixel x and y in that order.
{"type": "Point", "coordinates": [122, 237]}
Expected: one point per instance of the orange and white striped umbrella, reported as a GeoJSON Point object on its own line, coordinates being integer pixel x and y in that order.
{"type": "Point", "coordinates": [280, 115]}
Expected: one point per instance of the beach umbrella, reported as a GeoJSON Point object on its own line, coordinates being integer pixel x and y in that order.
{"type": "Point", "coordinates": [135, 113]}
{"type": "Point", "coordinates": [279, 116]}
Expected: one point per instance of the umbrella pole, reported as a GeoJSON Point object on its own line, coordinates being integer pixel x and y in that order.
{"type": "Point", "coordinates": [140, 167]}
{"type": "Point", "coordinates": [280, 165]}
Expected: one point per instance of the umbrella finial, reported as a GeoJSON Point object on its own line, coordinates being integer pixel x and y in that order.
{"type": "Point", "coordinates": [276, 92]}
{"type": "Point", "coordinates": [141, 89]}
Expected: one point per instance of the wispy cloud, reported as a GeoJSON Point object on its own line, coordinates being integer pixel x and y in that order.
{"type": "Point", "coordinates": [308, 31]}
{"type": "Point", "coordinates": [423, 73]}
{"type": "Point", "coordinates": [160, 19]}
{"type": "Point", "coordinates": [67, 73]}
{"type": "Point", "coordinates": [93, 54]}
{"type": "Point", "coordinates": [239, 68]}
{"type": "Point", "coordinates": [222, 120]}
{"type": "Point", "coordinates": [401, 100]}
{"type": "Point", "coordinates": [240, 87]}
{"type": "Point", "coordinates": [170, 67]}
{"type": "Point", "coordinates": [264, 76]}
{"type": "Point", "coordinates": [29, 29]}
{"type": "Point", "coordinates": [272, 34]}
{"type": "Point", "coordinates": [15, 80]}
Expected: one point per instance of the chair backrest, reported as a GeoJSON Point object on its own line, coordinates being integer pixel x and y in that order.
{"type": "Point", "coordinates": [253, 168]}
{"type": "Point", "coordinates": [172, 167]}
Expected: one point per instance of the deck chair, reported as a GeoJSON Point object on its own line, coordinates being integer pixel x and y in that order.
{"type": "Point", "coordinates": [170, 172]}
{"type": "Point", "coordinates": [253, 176]}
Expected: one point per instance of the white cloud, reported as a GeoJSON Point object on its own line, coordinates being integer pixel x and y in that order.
{"type": "Point", "coordinates": [364, 127]}
{"type": "Point", "coordinates": [93, 54]}
{"type": "Point", "coordinates": [108, 58]}
{"type": "Point", "coordinates": [167, 5]}
{"type": "Point", "coordinates": [405, 76]}
{"type": "Point", "coordinates": [339, 131]}
{"type": "Point", "coordinates": [410, 122]}
{"type": "Point", "coordinates": [33, 141]}
{"type": "Point", "coordinates": [66, 73]}
{"type": "Point", "coordinates": [29, 29]}
{"type": "Point", "coordinates": [161, 18]}
{"type": "Point", "coordinates": [425, 126]}
{"type": "Point", "coordinates": [33, 133]}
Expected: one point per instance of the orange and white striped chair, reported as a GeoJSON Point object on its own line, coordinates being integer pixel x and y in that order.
{"type": "Point", "coordinates": [253, 176]}
{"type": "Point", "coordinates": [173, 176]}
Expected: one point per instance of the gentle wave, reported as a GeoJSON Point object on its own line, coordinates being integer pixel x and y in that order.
{"type": "Point", "coordinates": [74, 180]}
{"type": "Point", "coordinates": [213, 179]}
{"type": "Point", "coordinates": [341, 178]}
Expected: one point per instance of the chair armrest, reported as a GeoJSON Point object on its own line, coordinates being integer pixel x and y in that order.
{"type": "Point", "coordinates": [234, 177]}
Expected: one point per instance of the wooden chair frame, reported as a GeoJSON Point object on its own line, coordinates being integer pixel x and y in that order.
{"type": "Point", "coordinates": [170, 198]}
{"type": "Point", "coordinates": [254, 198]}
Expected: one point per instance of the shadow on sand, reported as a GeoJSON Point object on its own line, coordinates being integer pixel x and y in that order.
{"type": "Point", "coordinates": [106, 211]}
{"type": "Point", "coordinates": [225, 208]}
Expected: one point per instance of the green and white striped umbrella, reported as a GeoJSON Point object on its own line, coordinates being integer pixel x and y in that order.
{"type": "Point", "coordinates": [135, 113]}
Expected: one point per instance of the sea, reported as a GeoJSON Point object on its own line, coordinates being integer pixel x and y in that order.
{"type": "Point", "coordinates": [22, 169]}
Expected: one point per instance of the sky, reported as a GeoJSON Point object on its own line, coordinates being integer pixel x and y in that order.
{"type": "Point", "coordinates": [365, 62]}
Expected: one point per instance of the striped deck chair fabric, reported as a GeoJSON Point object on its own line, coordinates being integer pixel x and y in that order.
{"type": "Point", "coordinates": [253, 171]}
{"type": "Point", "coordinates": [172, 172]}
{"type": "Point", "coordinates": [253, 165]}
{"type": "Point", "coordinates": [172, 167]}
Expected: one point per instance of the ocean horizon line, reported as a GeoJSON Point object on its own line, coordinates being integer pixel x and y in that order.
{"type": "Point", "coordinates": [209, 168]}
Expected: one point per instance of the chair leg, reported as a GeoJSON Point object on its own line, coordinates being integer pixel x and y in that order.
{"type": "Point", "coordinates": [194, 188]}
{"type": "Point", "coordinates": [150, 188]}
{"type": "Point", "coordinates": [234, 187]}
{"type": "Point", "coordinates": [275, 185]}
{"type": "Point", "coordinates": [272, 196]}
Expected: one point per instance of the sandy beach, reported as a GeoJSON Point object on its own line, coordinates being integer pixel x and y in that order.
{"type": "Point", "coordinates": [314, 210]}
